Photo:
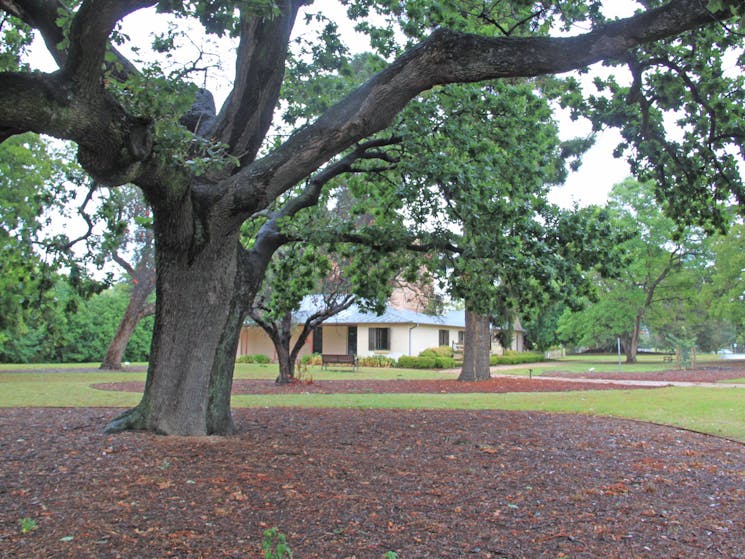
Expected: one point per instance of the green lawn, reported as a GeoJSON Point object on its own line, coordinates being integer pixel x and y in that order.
{"type": "Point", "coordinates": [719, 411]}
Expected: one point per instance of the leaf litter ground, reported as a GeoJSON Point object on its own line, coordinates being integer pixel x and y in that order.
{"type": "Point", "coordinates": [360, 483]}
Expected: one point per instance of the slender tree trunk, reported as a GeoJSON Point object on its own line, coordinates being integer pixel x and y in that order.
{"type": "Point", "coordinates": [632, 347]}
{"type": "Point", "coordinates": [137, 309]}
{"type": "Point", "coordinates": [199, 312]}
{"type": "Point", "coordinates": [476, 348]}
{"type": "Point", "coordinates": [284, 355]}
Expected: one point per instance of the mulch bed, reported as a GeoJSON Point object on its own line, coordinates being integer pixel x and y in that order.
{"type": "Point", "coordinates": [355, 484]}
{"type": "Point", "coordinates": [708, 374]}
{"type": "Point", "coordinates": [444, 386]}
{"type": "Point", "coordinates": [359, 483]}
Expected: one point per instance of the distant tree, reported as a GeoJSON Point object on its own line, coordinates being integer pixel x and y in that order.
{"type": "Point", "coordinates": [132, 248]}
{"type": "Point", "coordinates": [656, 256]}
{"type": "Point", "coordinates": [481, 207]}
{"type": "Point", "coordinates": [33, 192]}
{"type": "Point", "coordinates": [94, 322]}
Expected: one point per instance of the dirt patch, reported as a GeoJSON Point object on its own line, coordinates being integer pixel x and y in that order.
{"type": "Point", "coordinates": [359, 483]}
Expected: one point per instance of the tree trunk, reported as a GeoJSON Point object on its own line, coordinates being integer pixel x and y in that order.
{"type": "Point", "coordinates": [282, 345]}
{"type": "Point", "coordinates": [137, 309]}
{"type": "Point", "coordinates": [631, 347]}
{"type": "Point", "coordinates": [199, 312]}
{"type": "Point", "coordinates": [476, 348]}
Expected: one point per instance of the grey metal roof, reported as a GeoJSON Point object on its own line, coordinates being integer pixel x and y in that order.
{"type": "Point", "coordinates": [355, 315]}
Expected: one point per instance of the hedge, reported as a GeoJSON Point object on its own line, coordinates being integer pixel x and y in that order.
{"type": "Point", "coordinates": [425, 362]}
{"type": "Point", "coordinates": [514, 358]}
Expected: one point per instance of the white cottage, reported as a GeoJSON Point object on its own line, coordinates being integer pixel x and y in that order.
{"type": "Point", "coordinates": [395, 333]}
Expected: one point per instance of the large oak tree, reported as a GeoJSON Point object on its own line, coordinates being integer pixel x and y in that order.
{"type": "Point", "coordinates": [126, 127]}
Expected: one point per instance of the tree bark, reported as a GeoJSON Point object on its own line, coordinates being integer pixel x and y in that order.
{"type": "Point", "coordinates": [199, 311]}
{"type": "Point", "coordinates": [476, 348]}
{"type": "Point", "coordinates": [285, 357]}
{"type": "Point", "coordinates": [632, 347]}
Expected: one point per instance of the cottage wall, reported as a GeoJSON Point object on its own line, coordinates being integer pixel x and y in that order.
{"type": "Point", "coordinates": [254, 340]}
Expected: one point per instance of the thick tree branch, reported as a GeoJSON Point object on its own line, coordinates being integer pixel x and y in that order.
{"type": "Point", "coordinates": [247, 113]}
{"type": "Point", "coordinates": [116, 257]}
{"type": "Point", "coordinates": [89, 36]}
{"type": "Point", "coordinates": [448, 57]}
{"type": "Point", "coordinates": [41, 15]}
{"type": "Point", "coordinates": [270, 237]}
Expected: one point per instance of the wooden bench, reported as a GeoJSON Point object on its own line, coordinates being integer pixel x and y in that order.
{"type": "Point", "coordinates": [338, 359]}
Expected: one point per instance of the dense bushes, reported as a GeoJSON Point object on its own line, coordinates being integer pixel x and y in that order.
{"type": "Point", "coordinates": [514, 358]}
{"type": "Point", "coordinates": [257, 358]}
{"type": "Point", "coordinates": [440, 351]}
{"type": "Point", "coordinates": [311, 359]}
{"type": "Point", "coordinates": [69, 328]}
{"type": "Point", "coordinates": [377, 361]}
{"type": "Point", "coordinates": [425, 362]}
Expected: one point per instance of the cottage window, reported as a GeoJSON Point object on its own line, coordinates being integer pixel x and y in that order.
{"type": "Point", "coordinates": [380, 339]}
{"type": "Point", "coordinates": [444, 337]}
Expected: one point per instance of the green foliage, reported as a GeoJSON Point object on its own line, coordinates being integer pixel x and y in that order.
{"type": "Point", "coordinates": [440, 351]}
{"type": "Point", "coordinates": [680, 119]}
{"type": "Point", "coordinates": [515, 358]}
{"type": "Point", "coordinates": [541, 330]}
{"type": "Point", "coordinates": [14, 43]}
{"type": "Point", "coordinates": [162, 99]}
{"type": "Point", "coordinates": [70, 328]}
{"type": "Point", "coordinates": [28, 525]}
{"type": "Point", "coordinates": [425, 362]}
{"type": "Point", "coordinates": [411, 362]}
{"type": "Point", "coordinates": [257, 358]}
{"type": "Point", "coordinates": [311, 359]}
{"type": "Point", "coordinates": [652, 284]}
{"type": "Point", "coordinates": [275, 545]}
{"type": "Point", "coordinates": [722, 294]}
{"type": "Point", "coordinates": [376, 361]}
{"type": "Point", "coordinates": [218, 16]}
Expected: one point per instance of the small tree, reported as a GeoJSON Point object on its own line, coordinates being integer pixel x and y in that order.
{"type": "Point", "coordinates": [132, 248]}
{"type": "Point", "coordinates": [328, 284]}
{"type": "Point", "coordinates": [656, 255]}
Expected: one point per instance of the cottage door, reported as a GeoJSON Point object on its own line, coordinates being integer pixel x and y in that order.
{"type": "Point", "coordinates": [352, 340]}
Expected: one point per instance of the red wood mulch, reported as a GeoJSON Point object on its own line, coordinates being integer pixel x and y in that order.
{"type": "Point", "coordinates": [446, 385]}
{"type": "Point", "coordinates": [358, 483]}
{"type": "Point", "coordinates": [703, 374]}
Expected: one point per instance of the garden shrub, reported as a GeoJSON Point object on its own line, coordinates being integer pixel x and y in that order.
{"type": "Point", "coordinates": [444, 362]}
{"type": "Point", "coordinates": [408, 362]}
{"type": "Point", "coordinates": [440, 351]}
{"type": "Point", "coordinates": [311, 359]}
{"type": "Point", "coordinates": [257, 358]}
{"type": "Point", "coordinates": [378, 361]}
{"type": "Point", "coordinates": [515, 358]}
